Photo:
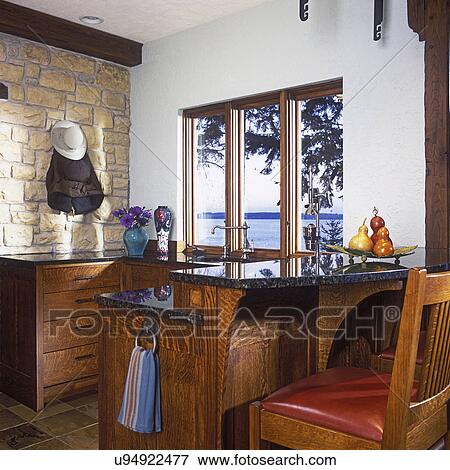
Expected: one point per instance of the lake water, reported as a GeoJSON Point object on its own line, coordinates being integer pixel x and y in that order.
{"type": "Point", "coordinates": [265, 233]}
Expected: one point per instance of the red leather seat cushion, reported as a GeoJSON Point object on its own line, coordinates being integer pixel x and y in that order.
{"type": "Point", "coordinates": [349, 400]}
{"type": "Point", "coordinates": [389, 353]}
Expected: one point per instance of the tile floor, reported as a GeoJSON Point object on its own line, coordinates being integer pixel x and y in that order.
{"type": "Point", "coordinates": [63, 424]}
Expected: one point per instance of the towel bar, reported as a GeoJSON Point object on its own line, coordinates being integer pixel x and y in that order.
{"type": "Point", "coordinates": [147, 331]}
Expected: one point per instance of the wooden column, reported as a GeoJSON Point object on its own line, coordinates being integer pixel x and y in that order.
{"type": "Point", "coordinates": [436, 124]}
{"type": "Point", "coordinates": [430, 20]}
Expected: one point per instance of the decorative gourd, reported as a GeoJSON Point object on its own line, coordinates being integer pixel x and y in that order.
{"type": "Point", "coordinates": [384, 245]}
{"type": "Point", "coordinates": [376, 223]}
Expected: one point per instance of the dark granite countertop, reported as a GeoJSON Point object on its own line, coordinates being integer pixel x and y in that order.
{"type": "Point", "coordinates": [154, 301]}
{"type": "Point", "coordinates": [305, 271]}
{"type": "Point", "coordinates": [295, 272]}
{"type": "Point", "coordinates": [93, 257]}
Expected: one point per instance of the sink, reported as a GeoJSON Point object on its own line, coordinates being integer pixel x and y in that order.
{"type": "Point", "coordinates": [210, 258]}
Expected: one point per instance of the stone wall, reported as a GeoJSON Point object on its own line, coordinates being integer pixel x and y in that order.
{"type": "Point", "coordinates": [47, 85]}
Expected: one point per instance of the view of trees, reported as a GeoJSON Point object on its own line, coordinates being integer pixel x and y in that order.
{"type": "Point", "coordinates": [332, 232]}
{"type": "Point", "coordinates": [211, 141]}
{"type": "Point", "coordinates": [322, 141]}
{"type": "Point", "coordinates": [322, 148]}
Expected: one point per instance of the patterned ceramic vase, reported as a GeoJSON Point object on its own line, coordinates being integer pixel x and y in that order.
{"type": "Point", "coordinates": [163, 224]}
{"type": "Point", "coordinates": [136, 240]}
{"type": "Point", "coordinates": [163, 293]}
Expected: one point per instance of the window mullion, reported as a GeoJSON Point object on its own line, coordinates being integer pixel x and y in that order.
{"type": "Point", "coordinates": [290, 209]}
{"type": "Point", "coordinates": [188, 182]}
{"type": "Point", "coordinates": [234, 174]}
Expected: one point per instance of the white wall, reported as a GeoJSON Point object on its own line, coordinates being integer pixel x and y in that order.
{"type": "Point", "coordinates": [268, 48]}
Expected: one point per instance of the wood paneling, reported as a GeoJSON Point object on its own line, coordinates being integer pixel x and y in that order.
{"type": "Point", "coordinates": [142, 276]}
{"type": "Point", "coordinates": [263, 357]}
{"type": "Point", "coordinates": [53, 31]}
{"type": "Point", "coordinates": [18, 339]}
{"type": "Point", "coordinates": [184, 384]}
{"type": "Point", "coordinates": [335, 304]}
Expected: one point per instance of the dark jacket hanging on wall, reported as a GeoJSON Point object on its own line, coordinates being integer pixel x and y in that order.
{"type": "Point", "coordinates": [72, 185]}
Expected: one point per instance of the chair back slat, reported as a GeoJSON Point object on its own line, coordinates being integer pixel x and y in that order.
{"type": "Point", "coordinates": [435, 375]}
{"type": "Point", "coordinates": [435, 368]}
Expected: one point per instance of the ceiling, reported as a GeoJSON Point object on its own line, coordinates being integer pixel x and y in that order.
{"type": "Point", "coordinates": [142, 20]}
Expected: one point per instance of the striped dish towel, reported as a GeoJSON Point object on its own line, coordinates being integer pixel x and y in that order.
{"type": "Point", "coordinates": [141, 403]}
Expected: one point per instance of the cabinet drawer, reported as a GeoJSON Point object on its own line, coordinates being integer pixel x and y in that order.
{"type": "Point", "coordinates": [71, 388]}
{"type": "Point", "coordinates": [60, 305]}
{"type": "Point", "coordinates": [75, 363]}
{"type": "Point", "coordinates": [70, 333]}
{"type": "Point", "coordinates": [69, 278]}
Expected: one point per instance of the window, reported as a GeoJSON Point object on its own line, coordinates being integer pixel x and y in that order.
{"type": "Point", "coordinates": [321, 134]}
{"type": "Point", "coordinates": [248, 160]}
{"type": "Point", "coordinates": [262, 175]}
{"type": "Point", "coordinates": [209, 179]}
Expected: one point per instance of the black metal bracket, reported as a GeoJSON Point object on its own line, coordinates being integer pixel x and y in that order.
{"type": "Point", "coordinates": [378, 17]}
{"type": "Point", "coordinates": [304, 10]}
{"type": "Point", "coordinates": [4, 92]}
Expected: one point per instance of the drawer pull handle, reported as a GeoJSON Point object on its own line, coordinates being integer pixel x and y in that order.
{"type": "Point", "coordinates": [84, 278]}
{"type": "Point", "coordinates": [84, 327]}
{"type": "Point", "coordinates": [85, 358]}
{"type": "Point", "coordinates": [87, 300]}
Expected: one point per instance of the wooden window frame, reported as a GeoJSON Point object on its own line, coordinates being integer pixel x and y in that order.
{"type": "Point", "coordinates": [289, 101]}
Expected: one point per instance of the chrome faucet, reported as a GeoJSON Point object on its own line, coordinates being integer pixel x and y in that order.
{"type": "Point", "coordinates": [246, 249]}
{"type": "Point", "coordinates": [311, 233]}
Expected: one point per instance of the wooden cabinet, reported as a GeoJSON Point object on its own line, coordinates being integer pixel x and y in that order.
{"type": "Point", "coordinates": [207, 378]}
{"type": "Point", "coordinates": [186, 389]}
{"type": "Point", "coordinates": [49, 327]}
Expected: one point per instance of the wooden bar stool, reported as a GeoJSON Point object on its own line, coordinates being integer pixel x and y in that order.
{"type": "Point", "coordinates": [384, 362]}
{"type": "Point", "coordinates": [352, 408]}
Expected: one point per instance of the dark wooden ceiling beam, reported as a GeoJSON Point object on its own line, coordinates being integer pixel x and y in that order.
{"type": "Point", "coordinates": [57, 32]}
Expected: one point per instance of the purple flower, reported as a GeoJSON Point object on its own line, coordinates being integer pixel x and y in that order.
{"type": "Point", "coordinates": [135, 217]}
{"type": "Point", "coordinates": [119, 213]}
{"type": "Point", "coordinates": [135, 211]}
{"type": "Point", "coordinates": [142, 221]}
{"type": "Point", "coordinates": [127, 221]}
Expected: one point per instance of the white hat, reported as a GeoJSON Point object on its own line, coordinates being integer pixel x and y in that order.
{"type": "Point", "coordinates": [69, 140]}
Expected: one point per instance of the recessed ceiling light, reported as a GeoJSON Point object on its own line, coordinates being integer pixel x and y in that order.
{"type": "Point", "coordinates": [88, 19]}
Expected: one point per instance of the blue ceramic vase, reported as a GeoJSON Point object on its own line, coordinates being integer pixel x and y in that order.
{"type": "Point", "coordinates": [136, 240]}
